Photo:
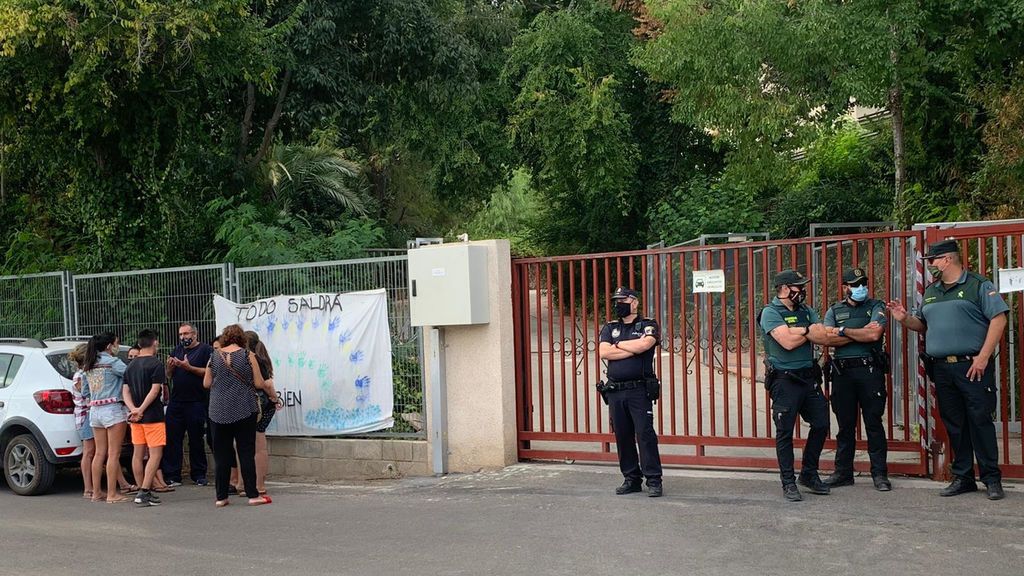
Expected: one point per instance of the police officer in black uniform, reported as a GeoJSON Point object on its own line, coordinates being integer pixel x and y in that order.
{"type": "Point", "coordinates": [963, 318]}
{"type": "Point", "coordinates": [855, 327]}
{"type": "Point", "coordinates": [628, 345]}
{"type": "Point", "coordinates": [793, 380]}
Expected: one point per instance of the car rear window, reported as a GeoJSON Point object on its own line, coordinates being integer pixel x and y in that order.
{"type": "Point", "coordinates": [62, 364]}
{"type": "Point", "coordinates": [66, 368]}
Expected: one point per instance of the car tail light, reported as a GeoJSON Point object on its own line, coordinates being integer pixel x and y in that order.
{"type": "Point", "coordinates": [66, 450]}
{"type": "Point", "coordinates": [55, 401]}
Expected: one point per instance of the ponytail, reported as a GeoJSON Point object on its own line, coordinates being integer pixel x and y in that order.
{"type": "Point", "coordinates": [97, 344]}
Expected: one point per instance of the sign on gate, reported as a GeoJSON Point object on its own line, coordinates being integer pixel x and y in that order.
{"type": "Point", "coordinates": [332, 359]}
{"type": "Point", "coordinates": [1011, 280]}
{"type": "Point", "coordinates": [708, 281]}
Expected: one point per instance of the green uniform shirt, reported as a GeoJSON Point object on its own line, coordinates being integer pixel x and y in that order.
{"type": "Point", "coordinates": [957, 319]}
{"type": "Point", "coordinates": [776, 314]}
{"type": "Point", "coordinates": [856, 315]}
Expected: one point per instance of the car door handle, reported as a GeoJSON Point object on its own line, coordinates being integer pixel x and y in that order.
{"type": "Point", "coordinates": [1, 404]}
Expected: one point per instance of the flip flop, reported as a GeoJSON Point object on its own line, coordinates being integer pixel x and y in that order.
{"type": "Point", "coordinates": [131, 489]}
{"type": "Point", "coordinates": [260, 501]}
{"type": "Point", "coordinates": [118, 500]}
{"type": "Point", "coordinates": [87, 494]}
{"type": "Point", "coordinates": [163, 490]}
{"type": "Point", "coordinates": [221, 503]}
{"type": "Point", "coordinates": [262, 492]}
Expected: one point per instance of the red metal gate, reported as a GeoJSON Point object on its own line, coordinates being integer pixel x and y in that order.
{"type": "Point", "coordinates": [714, 410]}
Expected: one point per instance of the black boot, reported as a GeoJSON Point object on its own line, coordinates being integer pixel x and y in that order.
{"type": "Point", "coordinates": [837, 479]}
{"type": "Point", "coordinates": [995, 490]}
{"type": "Point", "coordinates": [629, 487]}
{"type": "Point", "coordinates": [654, 490]}
{"type": "Point", "coordinates": [882, 483]}
{"type": "Point", "coordinates": [959, 486]}
{"type": "Point", "coordinates": [814, 485]}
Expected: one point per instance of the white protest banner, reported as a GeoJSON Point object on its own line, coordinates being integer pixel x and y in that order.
{"type": "Point", "coordinates": [332, 359]}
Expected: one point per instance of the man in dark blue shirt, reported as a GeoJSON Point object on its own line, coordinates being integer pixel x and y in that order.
{"type": "Point", "coordinates": [628, 345]}
{"type": "Point", "coordinates": [186, 412]}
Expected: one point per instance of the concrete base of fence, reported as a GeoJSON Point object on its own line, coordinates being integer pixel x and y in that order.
{"type": "Point", "coordinates": [331, 459]}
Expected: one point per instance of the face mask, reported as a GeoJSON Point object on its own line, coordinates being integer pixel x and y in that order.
{"type": "Point", "coordinates": [186, 342]}
{"type": "Point", "coordinates": [797, 295]}
{"type": "Point", "coordinates": [622, 309]}
{"type": "Point", "coordinates": [859, 293]}
{"type": "Point", "coordinates": [934, 271]}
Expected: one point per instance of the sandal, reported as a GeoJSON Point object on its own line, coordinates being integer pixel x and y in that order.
{"type": "Point", "coordinates": [260, 501]}
{"type": "Point", "coordinates": [232, 489]}
{"type": "Point", "coordinates": [262, 492]}
{"type": "Point", "coordinates": [87, 494]}
{"type": "Point", "coordinates": [131, 489]}
{"type": "Point", "coordinates": [221, 503]}
{"type": "Point", "coordinates": [163, 489]}
{"type": "Point", "coordinates": [118, 500]}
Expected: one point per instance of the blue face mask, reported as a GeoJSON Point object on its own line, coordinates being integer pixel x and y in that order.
{"type": "Point", "coordinates": [859, 293]}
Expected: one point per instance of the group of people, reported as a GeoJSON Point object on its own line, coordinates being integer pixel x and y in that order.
{"type": "Point", "coordinates": [223, 391]}
{"type": "Point", "coordinates": [962, 318]}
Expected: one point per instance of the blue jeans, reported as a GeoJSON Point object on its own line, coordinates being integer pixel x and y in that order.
{"type": "Point", "coordinates": [182, 418]}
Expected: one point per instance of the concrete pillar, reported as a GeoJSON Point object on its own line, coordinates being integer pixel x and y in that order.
{"type": "Point", "coordinates": [479, 377]}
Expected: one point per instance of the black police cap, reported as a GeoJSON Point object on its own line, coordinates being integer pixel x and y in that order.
{"type": "Point", "coordinates": [787, 277]}
{"type": "Point", "coordinates": [941, 249]}
{"type": "Point", "coordinates": [621, 293]}
{"type": "Point", "coordinates": [854, 275]}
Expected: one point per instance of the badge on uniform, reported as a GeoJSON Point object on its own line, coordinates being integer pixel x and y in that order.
{"type": "Point", "coordinates": [616, 332]}
{"type": "Point", "coordinates": [649, 331]}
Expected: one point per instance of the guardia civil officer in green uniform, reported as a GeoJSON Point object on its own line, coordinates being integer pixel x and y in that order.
{"type": "Point", "coordinates": [963, 318]}
{"type": "Point", "coordinates": [855, 326]}
{"type": "Point", "coordinates": [794, 380]}
{"type": "Point", "coordinates": [628, 345]}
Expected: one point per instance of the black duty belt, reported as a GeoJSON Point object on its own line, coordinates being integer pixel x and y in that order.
{"type": "Point", "coordinates": [844, 363]}
{"type": "Point", "coordinates": [801, 373]}
{"type": "Point", "coordinates": [616, 385]}
{"type": "Point", "coordinates": [953, 359]}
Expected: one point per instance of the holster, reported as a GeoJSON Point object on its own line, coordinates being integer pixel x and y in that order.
{"type": "Point", "coordinates": [602, 389]}
{"type": "Point", "coordinates": [881, 359]}
{"type": "Point", "coordinates": [827, 371]}
{"type": "Point", "coordinates": [653, 388]}
{"type": "Point", "coordinates": [770, 373]}
{"type": "Point", "coordinates": [929, 366]}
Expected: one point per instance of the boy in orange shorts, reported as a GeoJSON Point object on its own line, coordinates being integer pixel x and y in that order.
{"type": "Point", "coordinates": [143, 384]}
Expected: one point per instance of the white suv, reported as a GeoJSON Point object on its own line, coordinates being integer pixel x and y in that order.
{"type": "Point", "coordinates": [37, 422]}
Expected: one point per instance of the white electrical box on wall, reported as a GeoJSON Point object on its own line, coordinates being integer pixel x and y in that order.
{"type": "Point", "coordinates": [448, 285]}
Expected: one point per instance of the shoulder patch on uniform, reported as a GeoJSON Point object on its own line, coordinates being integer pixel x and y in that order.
{"type": "Point", "coordinates": [616, 332]}
{"type": "Point", "coordinates": [649, 330]}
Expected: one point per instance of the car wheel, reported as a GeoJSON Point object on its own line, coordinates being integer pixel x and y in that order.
{"type": "Point", "coordinates": [25, 467]}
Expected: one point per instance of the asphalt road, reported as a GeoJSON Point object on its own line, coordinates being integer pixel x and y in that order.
{"type": "Point", "coordinates": [531, 519]}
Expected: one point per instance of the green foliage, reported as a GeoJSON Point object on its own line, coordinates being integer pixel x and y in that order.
{"type": "Point", "coordinates": [703, 206]}
{"type": "Point", "coordinates": [256, 237]}
{"type": "Point", "coordinates": [514, 212]}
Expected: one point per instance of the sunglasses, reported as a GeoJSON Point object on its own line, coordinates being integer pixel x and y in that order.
{"type": "Point", "coordinates": [858, 284]}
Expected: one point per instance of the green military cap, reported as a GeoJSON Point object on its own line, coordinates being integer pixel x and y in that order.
{"type": "Point", "coordinates": [787, 277]}
{"type": "Point", "coordinates": [854, 275]}
{"type": "Point", "coordinates": [941, 249]}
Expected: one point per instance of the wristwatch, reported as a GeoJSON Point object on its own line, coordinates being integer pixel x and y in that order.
{"type": "Point", "coordinates": [807, 330]}
{"type": "Point", "coordinates": [842, 330]}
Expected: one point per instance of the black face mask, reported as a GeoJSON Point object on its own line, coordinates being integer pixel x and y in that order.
{"type": "Point", "coordinates": [186, 342]}
{"type": "Point", "coordinates": [623, 309]}
{"type": "Point", "coordinates": [797, 295]}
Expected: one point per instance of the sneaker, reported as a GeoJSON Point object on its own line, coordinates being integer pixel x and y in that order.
{"type": "Point", "coordinates": [792, 493]}
{"type": "Point", "coordinates": [146, 499]}
{"type": "Point", "coordinates": [629, 487]}
{"type": "Point", "coordinates": [174, 483]}
{"type": "Point", "coordinates": [202, 482]}
{"type": "Point", "coordinates": [994, 490]}
{"type": "Point", "coordinates": [814, 485]}
{"type": "Point", "coordinates": [959, 486]}
{"type": "Point", "coordinates": [154, 498]}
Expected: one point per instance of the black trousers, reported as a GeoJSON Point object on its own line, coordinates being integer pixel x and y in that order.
{"type": "Point", "coordinates": [182, 418]}
{"type": "Point", "coordinates": [226, 438]}
{"type": "Point", "coordinates": [860, 387]}
{"type": "Point", "coordinates": [792, 397]}
{"type": "Point", "coordinates": [633, 419]}
{"type": "Point", "coordinates": [967, 409]}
